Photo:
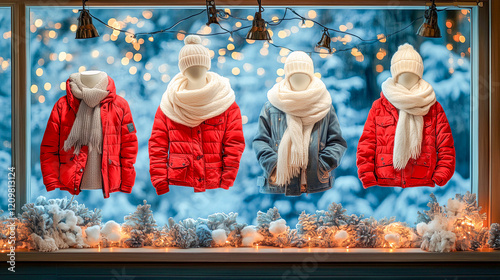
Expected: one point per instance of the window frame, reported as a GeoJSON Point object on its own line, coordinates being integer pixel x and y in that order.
{"type": "Point", "coordinates": [485, 84]}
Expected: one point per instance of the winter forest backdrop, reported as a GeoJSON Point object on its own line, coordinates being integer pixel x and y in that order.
{"type": "Point", "coordinates": [142, 70]}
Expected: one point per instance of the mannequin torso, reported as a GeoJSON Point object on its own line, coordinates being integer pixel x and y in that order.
{"type": "Point", "coordinates": [408, 80]}
{"type": "Point", "coordinates": [299, 81]}
{"type": "Point", "coordinates": [90, 78]}
{"type": "Point", "coordinates": [197, 77]}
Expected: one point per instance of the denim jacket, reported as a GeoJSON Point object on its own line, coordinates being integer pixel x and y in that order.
{"type": "Point", "coordinates": [325, 151]}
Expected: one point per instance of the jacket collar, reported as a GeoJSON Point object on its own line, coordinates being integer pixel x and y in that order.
{"type": "Point", "coordinates": [74, 102]}
{"type": "Point", "coordinates": [389, 107]}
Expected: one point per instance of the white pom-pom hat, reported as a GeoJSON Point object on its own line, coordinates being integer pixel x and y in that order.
{"type": "Point", "coordinates": [299, 62]}
{"type": "Point", "coordinates": [406, 59]}
{"type": "Point", "coordinates": [193, 54]}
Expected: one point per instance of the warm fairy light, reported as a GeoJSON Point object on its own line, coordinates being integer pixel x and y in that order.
{"type": "Point", "coordinates": [264, 51]}
{"type": "Point", "coordinates": [238, 24]}
{"type": "Point", "coordinates": [132, 70]}
{"type": "Point", "coordinates": [280, 72]}
{"type": "Point", "coordinates": [222, 51]}
{"type": "Point", "coordinates": [261, 71]}
{"type": "Point", "coordinates": [382, 38]}
{"type": "Point", "coordinates": [73, 27]}
{"type": "Point", "coordinates": [311, 14]}
{"type": "Point", "coordinates": [95, 53]}
{"type": "Point", "coordinates": [34, 89]}
{"type": "Point", "coordinates": [462, 39]}
{"type": "Point", "coordinates": [221, 59]}
{"type": "Point", "coordinates": [294, 29]}
{"type": "Point", "coordinates": [349, 25]}
{"type": "Point", "coordinates": [163, 68]}
{"type": "Point", "coordinates": [62, 56]}
{"type": "Point", "coordinates": [449, 24]}
{"type": "Point", "coordinates": [38, 23]}
{"type": "Point", "coordinates": [151, 38]}
{"type": "Point", "coordinates": [464, 12]}
{"type": "Point", "coordinates": [41, 98]}
{"type": "Point", "coordinates": [249, 17]}
{"type": "Point", "coordinates": [147, 77]}
{"type": "Point", "coordinates": [147, 14]}
{"type": "Point", "coordinates": [62, 86]}
{"type": "Point", "coordinates": [237, 56]}
{"type": "Point", "coordinates": [343, 28]}
{"type": "Point", "coordinates": [110, 60]}
{"type": "Point", "coordinates": [309, 23]}
{"type": "Point", "coordinates": [282, 34]}
{"type": "Point", "coordinates": [284, 52]}
{"type": "Point", "coordinates": [235, 71]}
{"type": "Point", "coordinates": [137, 57]}
{"type": "Point", "coordinates": [250, 41]}
{"type": "Point", "coordinates": [165, 78]}
{"type": "Point", "coordinates": [279, 79]}
{"type": "Point", "coordinates": [39, 72]}
{"type": "Point", "coordinates": [125, 61]}
{"type": "Point", "coordinates": [180, 36]}
{"type": "Point", "coordinates": [47, 86]}
{"type": "Point", "coordinates": [230, 47]}
{"type": "Point", "coordinates": [379, 68]}
{"type": "Point", "coordinates": [449, 47]}
{"type": "Point", "coordinates": [317, 75]}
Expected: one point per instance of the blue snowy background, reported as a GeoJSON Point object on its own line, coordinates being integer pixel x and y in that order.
{"type": "Point", "coordinates": [143, 68]}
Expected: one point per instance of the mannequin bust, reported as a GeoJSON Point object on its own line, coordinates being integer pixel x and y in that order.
{"type": "Point", "coordinates": [299, 81]}
{"type": "Point", "coordinates": [408, 80]}
{"type": "Point", "coordinates": [196, 76]}
{"type": "Point", "coordinates": [90, 78]}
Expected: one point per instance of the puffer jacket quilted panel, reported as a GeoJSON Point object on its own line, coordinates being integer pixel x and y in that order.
{"type": "Point", "coordinates": [435, 165]}
{"type": "Point", "coordinates": [202, 157]}
{"type": "Point", "coordinates": [64, 170]}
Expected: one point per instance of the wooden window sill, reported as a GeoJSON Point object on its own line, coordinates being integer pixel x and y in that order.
{"type": "Point", "coordinates": [260, 254]}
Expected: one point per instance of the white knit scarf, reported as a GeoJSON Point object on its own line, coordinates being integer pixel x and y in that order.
{"type": "Point", "coordinates": [303, 109]}
{"type": "Point", "coordinates": [87, 128]}
{"type": "Point", "coordinates": [413, 104]}
{"type": "Point", "coordinates": [192, 107]}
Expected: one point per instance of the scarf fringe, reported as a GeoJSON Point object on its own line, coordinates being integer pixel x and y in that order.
{"type": "Point", "coordinates": [303, 109]}
{"type": "Point", "coordinates": [413, 105]}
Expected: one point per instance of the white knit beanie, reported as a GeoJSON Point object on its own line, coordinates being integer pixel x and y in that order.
{"type": "Point", "coordinates": [299, 62]}
{"type": "Point", "coordinates": [193, 54]}
{"type": "Point", "coordinates": [406, 59]}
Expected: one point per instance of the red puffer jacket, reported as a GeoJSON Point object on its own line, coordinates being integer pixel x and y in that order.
{"type": "Point", "coordinates": [63, 170]}
{"type": "Point", "coordinates": [435, 165]}
{"type": "Point", "coordinates": [202, 157]}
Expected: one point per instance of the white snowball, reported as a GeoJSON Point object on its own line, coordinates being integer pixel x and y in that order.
{"type": "Point", "coordinates": [422, 228]}
{"type": "Point", "coordinates": [93, 234]}
{"type": "Point", "coordinates": [250, 236]}
{"type": "Point", "coordinates": [111, 230]}
{"type": "Point", "coordinates": [393, 238]}
{"type": "Point", "coordinates": [277, 227]}
{"type": "Point", "coordinates": [341, 235]}
{"type": "Point", "coordinates": [219, 237]}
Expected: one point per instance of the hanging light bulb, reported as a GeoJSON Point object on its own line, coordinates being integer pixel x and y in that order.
{"type": "Point", "coordinates": [211, 12]}
{"type": "Point", "coordinates": [258, 30]}
{"type": "Point", "coordinates": [231, 39]}
{"type": "Point", "coordinates": [86, 28]}
{"type": "Point", "coordinates": [430, 27]}
{"type": "Point", "coordinates": [324, 43]}
{"type": "Point", "coordinates": [303, 24]}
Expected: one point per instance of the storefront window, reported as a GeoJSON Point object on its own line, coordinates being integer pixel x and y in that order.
{"type": "Point", "coordinates": [142, 70]}
{"type": "Point", "coordinates": [5, 103]}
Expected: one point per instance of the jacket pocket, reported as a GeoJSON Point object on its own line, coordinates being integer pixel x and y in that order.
{"type": "Point", "coordinates": [215, 121]}
{"type": "Point", "coordinates": [67, 169]}
{"type": "Point", "coordinates": [213, 173]}
{"type": "Point", "coordinates": [421, 166]}
{"type": "Point", "coordinates": [383, 167]}
{"type": "Point", "coordinates": [178, 168]}
{"type": "Point", "coordinates": [114, 173]}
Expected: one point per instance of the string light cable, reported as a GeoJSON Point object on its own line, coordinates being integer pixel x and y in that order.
{"type": "Point", "coordinates": [225, 16]}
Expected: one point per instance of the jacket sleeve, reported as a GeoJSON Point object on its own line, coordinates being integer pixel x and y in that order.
{"type": "Point", "coordinates": [234, 145]}
{"type": "Point", "coordinates": [445, 166]}
{"type": "Point", "coordinates": [335, 146]}
{"type": "Point", "coordinates": [158, 153]}
{"type": "Point", "coordinates": [128, 150]}
{"type": "Point", "coordinates": [49, 151]}
{"type": "Point", "coordinates": [262, 144]}
{"type": "Point", "coordinates": [365, 157]}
